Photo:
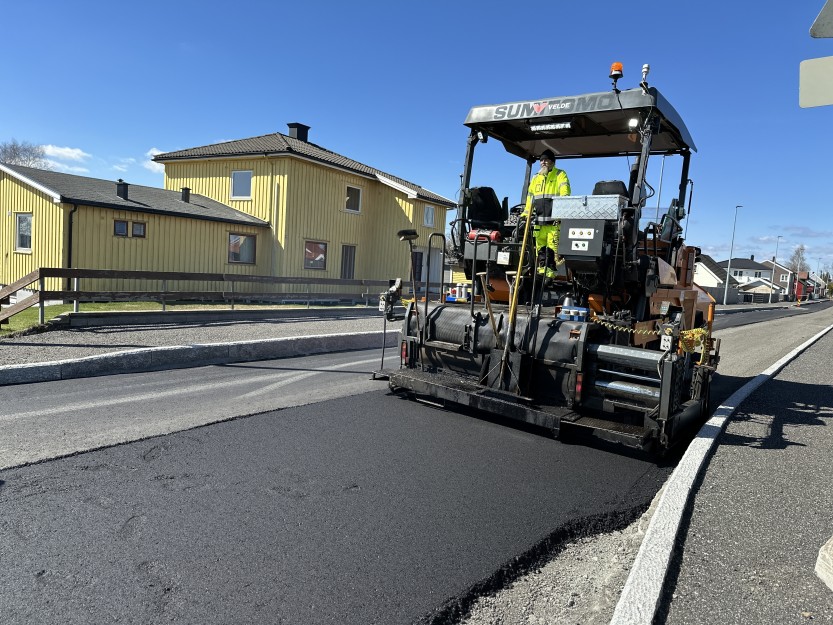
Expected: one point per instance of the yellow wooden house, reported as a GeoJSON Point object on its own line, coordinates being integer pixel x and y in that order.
{"type": "Point", "coordinates": [51, 219]}
{"type": "Point", "coordinates": [329, 216]}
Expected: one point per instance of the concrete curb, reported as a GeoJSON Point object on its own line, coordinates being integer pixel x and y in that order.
{"type": "Point", "coordinates": [824, 564]}
{"type": "Point", "coordinates": [641, 595]}
{"type": "Point", "coordinates": [180, 356]}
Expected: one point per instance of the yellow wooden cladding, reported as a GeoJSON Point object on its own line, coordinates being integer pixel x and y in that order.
{"type": "Point", "coordinates": [48, 226]}
{"type": "Point", "coordinates": [170, 244]}
{"type": "Point", "coordinates": [301, 200]}
{"type": "Point", "coordinates": [305, 201]}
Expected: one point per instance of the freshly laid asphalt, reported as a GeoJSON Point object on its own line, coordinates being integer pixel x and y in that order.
{"type": "Point", "coordinates": [754, 513]}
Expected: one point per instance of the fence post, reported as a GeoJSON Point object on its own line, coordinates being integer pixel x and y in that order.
{"type": "Point", "coordinates": [75, 301]}
{"type": "Point", "coordinates": [232, 294]}
{"type": "Point", "coordinates": [164, 290]}
{"type": "Point", "coordinates": [42, 287]}
{"type": "Point", "coordinates": [308, 295]}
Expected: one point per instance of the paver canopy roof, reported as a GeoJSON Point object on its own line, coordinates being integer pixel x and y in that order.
{"type": "Point", "coordinates": [592, 124]}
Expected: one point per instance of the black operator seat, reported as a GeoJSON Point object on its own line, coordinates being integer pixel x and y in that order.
{"type": "Point", "coordinates": [485, 211]}
{"type": "Point", "coordinates": [610, 187]}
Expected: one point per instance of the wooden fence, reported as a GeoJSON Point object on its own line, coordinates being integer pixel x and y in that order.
{"type": "Point", "coordinates": [230, 289]}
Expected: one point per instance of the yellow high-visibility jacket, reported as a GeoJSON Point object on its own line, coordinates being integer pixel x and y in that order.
{"type": "Point", "coordinates": [554, 184]}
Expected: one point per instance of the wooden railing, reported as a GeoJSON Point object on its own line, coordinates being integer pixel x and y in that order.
{"type": "Point", "coordinates": [228, 291]}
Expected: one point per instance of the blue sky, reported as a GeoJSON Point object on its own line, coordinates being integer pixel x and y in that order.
{"type": "Point", "coordinates": [106, 84]}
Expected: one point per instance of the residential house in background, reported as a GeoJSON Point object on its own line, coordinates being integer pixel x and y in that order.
{"type": "Point", "coordinates": [275, 205]}
{"type": "Point", "coordinates": [711, 277]}
{"type": "Point", "coordinates": [329, 216]}
{"type": "Point", "coordinates": [51, 219]}
{"type": "Point", "coordinates": [783, 277]}
{"type": "Point", "coordinates": [755, 279]}
{"type": "Point", "coordinates": [812, 285]}
{"type": "Point", "coordinates": [820, 284]}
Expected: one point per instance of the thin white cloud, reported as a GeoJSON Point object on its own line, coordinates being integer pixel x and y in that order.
{"type": "Point", "coordinates": [69, 169]}
{"type": "Point", "coordinates": [802, 232]}
{"type": "Point", "coordinates": [157, 168]}
{"type": "Point", "coordinates": [66, 154]}
{"type": "Point", "coordinates": [124, 164]}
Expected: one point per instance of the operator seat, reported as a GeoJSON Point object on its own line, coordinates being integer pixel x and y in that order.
{"type": "Point", "coordinates": [485, 211]}
{"type": "Point", "coordinates": [610, 187]}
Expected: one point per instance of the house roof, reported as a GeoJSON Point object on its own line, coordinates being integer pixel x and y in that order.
{"type": "Point", "coordinates": [744, 263]}
{"type": "Point", "coordinates": [95, 192]}
{"type": "Point", "coordinates": [776, 265]}
{"type": "Point", "coordinates": [277, 144]}
{"type": "Point", "coordinates": [758, 283]}
{"type": "Point", "coordinates": [719, 272]}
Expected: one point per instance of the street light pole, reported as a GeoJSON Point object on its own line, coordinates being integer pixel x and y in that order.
{"type": "Point", "coordinates": [731, 250]}
{"type": "Point", "coordinates": [774, 260]}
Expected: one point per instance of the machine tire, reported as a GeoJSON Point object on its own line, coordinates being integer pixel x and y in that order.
{"type": "Point", "coordinates": [701, 389]}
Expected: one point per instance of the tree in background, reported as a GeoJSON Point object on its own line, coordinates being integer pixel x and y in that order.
{"type": "Point", "coordinates": [798, 260]}
{"type": "Point", "coordinates": [23, 153]}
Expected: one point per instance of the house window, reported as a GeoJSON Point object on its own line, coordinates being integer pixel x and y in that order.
{"type": "Point", "coordinates": [315, 255]}
{"type": "Point", "coordinates": [138, 229]}
{"type": "Point", "coordinates": [348, 262]}
{"type": "Point", "coordinates": [757, 274]}
{"type": "Point", "coordinates": [737, 273]}
{"type": "Point", "coordinates": [241, 248]}
{"type": "Point", "coordinates": [428, 220]}
{"type": "Point", "coordinates": [120, 228]}
{"type": "Point", "coordinates": [783, 277]}
{"type": "Point", "coordinates": [23, 232]}
{"type": "Point", "coordinates": [353, 201]}
{"type": "Point", "coordinates": [241, 185]}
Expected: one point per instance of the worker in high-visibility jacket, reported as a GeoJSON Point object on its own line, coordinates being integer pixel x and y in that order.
{"type": "Point", "coordinates": [547, 183]}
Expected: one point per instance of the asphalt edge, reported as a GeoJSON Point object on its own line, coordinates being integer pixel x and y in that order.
{"type": "Point", "coordinates": [643, 589]}
{"type": "Point", "coordinates": [197, 355]}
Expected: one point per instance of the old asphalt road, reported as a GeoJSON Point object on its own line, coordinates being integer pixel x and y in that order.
{"type": "Point", "coordinates": [745, 518]}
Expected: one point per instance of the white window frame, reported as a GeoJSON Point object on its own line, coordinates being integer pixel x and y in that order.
{"type": "Point", "coordinates": [17, 246]}
{"type": "Point", "coordinates": [757, 274]}
{"type": "Point", "coordinates": [427, 212]}
{"type": "Point", "coordinates": [784, 277]}
{"type": "Point", "coordinates": [347, 199]}
{"type": "Point", "coordinates": [232, 194]}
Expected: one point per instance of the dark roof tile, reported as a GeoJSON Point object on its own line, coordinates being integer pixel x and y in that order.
{"type": "Point", "coordinates": [277, 144]}
{"type": "Point", "coordinates": [708, 262]}
{"type": "Point", "coordinates": [97, 192]}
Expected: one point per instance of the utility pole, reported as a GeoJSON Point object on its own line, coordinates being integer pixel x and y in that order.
{"type": "Point", "coordinates": [731, 250]}
{"type": "Point", "coordinates": [774, 260]}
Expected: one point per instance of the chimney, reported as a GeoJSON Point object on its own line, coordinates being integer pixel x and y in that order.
{"type": "Point", "coordinates": [186, 194]}
{"type": "Point", "coordinates": [751, 257]}
{"type": "Point", "coordinates": [298, 131]}
{"type": "Point", "coordinates": [121, 189]}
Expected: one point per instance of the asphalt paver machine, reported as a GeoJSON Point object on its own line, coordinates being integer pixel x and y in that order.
{"type": "Point", "coordinates": [619, 344]}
